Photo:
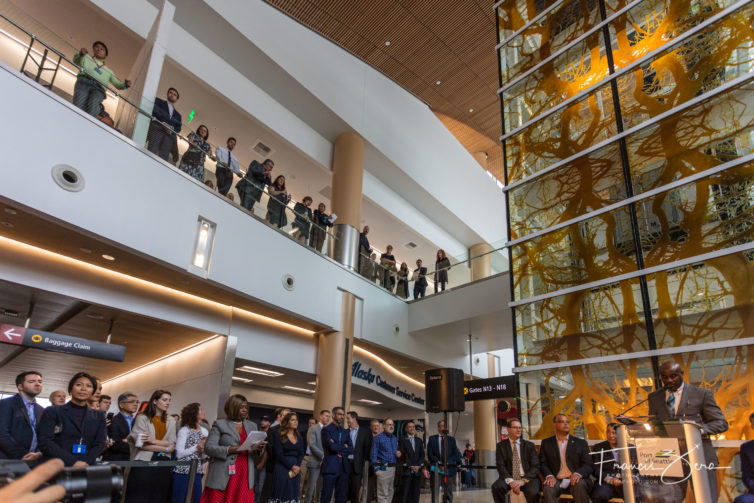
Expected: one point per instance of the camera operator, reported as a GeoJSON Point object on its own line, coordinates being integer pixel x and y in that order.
{"type": "Point", "coordinates": [22, 490]}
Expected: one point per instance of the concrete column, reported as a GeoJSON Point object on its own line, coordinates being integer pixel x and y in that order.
{"type": "Point", "coordinates": [146, 72]}
{"type": "Point", "coordinates": [334, 359]}
{"type": "Point", "coordinates": [347, 177]}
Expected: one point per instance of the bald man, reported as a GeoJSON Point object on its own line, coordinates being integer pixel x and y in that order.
{"type": "Point", "coordinates": [680, 400]}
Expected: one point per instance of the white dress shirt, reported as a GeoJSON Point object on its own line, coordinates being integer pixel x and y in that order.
{"type": "Point", "coordinates": [222, 154]}
{"type": "Point", "coordinates": [517, 447]}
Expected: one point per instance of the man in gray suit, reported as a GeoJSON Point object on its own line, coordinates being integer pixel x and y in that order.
{"type": "Point", "coordinates": [314, 438]}
{"type": "Point", "coordinates": [677, 399]}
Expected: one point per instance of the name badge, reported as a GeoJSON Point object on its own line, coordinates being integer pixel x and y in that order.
{"type": "Point", "coordinates": [98, 70]}
{"type": "Point", "coordinates": [232, 469]}
{"type": "Point", "coordinates": [79, 449]}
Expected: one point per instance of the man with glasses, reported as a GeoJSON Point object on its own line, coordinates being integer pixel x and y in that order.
{"type": "Point", "coordinates": [385, 453]}
{"type": "Point", "coordinates": [566, 464]}
{"type": "Point", "coordinates": [120, 428]}
{"type": "Point", "coordinates": [19, 416]}
{"type": "Point", "coordinates": [518, 468]}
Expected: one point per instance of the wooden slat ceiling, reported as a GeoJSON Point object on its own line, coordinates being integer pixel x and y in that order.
{"type": "Point", "coordinates": [451, 41]}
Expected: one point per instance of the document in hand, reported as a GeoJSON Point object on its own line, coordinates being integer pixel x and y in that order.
{"type": "Point", "coordinates": [333, 217]}
{"type": "Point", "coordinates": [252, 440]}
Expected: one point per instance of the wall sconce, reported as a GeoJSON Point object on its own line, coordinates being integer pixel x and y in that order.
{"type": "Point", "coordinates": [205, 239]}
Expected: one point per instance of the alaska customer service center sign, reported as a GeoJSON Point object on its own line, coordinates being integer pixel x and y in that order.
{"type": "Point", "coordinates": [373, 374]}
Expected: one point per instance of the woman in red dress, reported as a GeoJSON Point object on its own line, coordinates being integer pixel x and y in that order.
{"type": "Point", "coordinates": [230, 478]}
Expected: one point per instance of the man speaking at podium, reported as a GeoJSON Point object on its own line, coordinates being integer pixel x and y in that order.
{"type": "Point", "coordinates": [680, 400]}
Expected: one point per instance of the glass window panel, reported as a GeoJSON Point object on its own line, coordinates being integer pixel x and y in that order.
{"type": "Point", "coordinates": [586, 324]}
{"type": "Point", "coordinates": [587, 184]}
{"type": "Point", "coordinates": [514, 14]}
{"type": "Point", "coordinates": [711, 214]}
{"type": "Point", "coordinates": [590, 250]}
{"type": "Point", "coordinates": [578, 68]}
{"type": "Point", "coordinates": [719, 54]}
{"type": "Point", "coordinates": [706, 135]}
{"type": "Point", "coordinates": [590, 395]}
{"type": "Point", "coordinates": [559, 27]}
{"type": "Point", "coordinates": [704, 302]}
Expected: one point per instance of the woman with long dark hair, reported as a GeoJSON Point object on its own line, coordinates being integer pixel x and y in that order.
{"type": "Point", "coordinates": [189, 445]}
{"type": "Point", "coordinates": [278, 201]}
{"type": "Point", "coordinates": [152, 438]}
{"type": "Point", "coordinates": [289, 450]}
{"type": "Point", "coordinates": [402, 288]}
{"type": "Point", "coordinates": [192, 161]}
{"type": "Point", "coordinates": [442, 264]}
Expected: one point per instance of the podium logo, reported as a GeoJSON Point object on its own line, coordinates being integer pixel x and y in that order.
{"type": "Point", "coordinates": [665, 453]}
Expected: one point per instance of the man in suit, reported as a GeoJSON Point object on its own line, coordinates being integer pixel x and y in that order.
{"type": "Point", "coordinates": [336, 445]}
{"type": "Point", "coordinates": [314, 439]}
{"type": "Point", "coordinates": [517, 467]}
{"type": "Point", "coordinates": [747, 468]}
{"type": "Point", "coordinates": [120, 428]}
{"type": "Point", "coordinates": [607, 470]}
{"type": "Point", "coordinates": [361, 442]}
{"type": "Point", "coordinates": [269, 466]}
{"type": "Point", "coordinates": [680, 400]}
{"type": "Point", "coordinates": [165, 123]}
{"type": "Point", "coordinates": [435, 448]}
{"type": "Point", "coordinates": [566, 464]}
{"type": "Point", "coordinates": [412, 448]}
{"type": "Point", "coordinates": [420, 280]}
{"type": "Point", "coordinates": [19, 417]}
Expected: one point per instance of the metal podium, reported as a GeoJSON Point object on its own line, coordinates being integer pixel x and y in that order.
{"type": "Point", "coordinates": [691, 450]}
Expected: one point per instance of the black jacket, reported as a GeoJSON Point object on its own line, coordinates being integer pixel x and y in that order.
{"type": "Point", "coordinates": [412, 457]}
{"type": "Point", "coordinates": [578, 457]}
{"type": "Point", "coordinates": [118, 431]}
{"type": "Point", "coordinates": [58, 433]}
{"type": "Point", "coordinates": [16, 431]}
{"type": "Point", "coordinates": [361, 449]}
{"type": "Point", "coordinates": [529, 459]}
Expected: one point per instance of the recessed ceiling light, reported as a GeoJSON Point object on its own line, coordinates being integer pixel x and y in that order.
{"type": "Point", "coordinates": [313, 383]}
{"type": "Point", "coordinates": [107, 257]}
{"type": "Point", "coordinates": [257, 370]}
{"type": "Point", "coordinates": [471, 110]}
{"type": "Point", "coordinates": [438, 82]}
{"type": "Point", "coordinates": [387, 42]}
{"type": "Point", "coordinates": [241, 379]}
{"type": "Point", "coordinates": [370, 402]}
{"type": "Point", "coordinates": [6, 224]}
{"type": "Point", "coordinates": [85, 250]}
{"type": "Point", "coordinates": [95, 316]}
{"type": "Point", "coordinates": [11, 211]}
{"type": "Point", "coordinates": [302, 390]}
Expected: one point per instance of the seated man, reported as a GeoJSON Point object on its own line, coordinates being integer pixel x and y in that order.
{"type": "Point", "coordinates": [747, 468]}
{"type": "Point", "coordinates": [566, 464]}
{"type": "Point", "coordinates": [607, 470]}
{"type": "Point", "coordinates": [518, 467]}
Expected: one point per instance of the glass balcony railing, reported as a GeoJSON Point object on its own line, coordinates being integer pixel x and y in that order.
{"type": "Point", "coordinates": [250, 188]}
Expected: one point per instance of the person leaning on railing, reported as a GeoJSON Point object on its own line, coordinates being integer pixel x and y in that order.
{"type": "Point", "coordinates": [402, 288]}
{"type": "Point", "coordinates": [303, 219]}
{"type": "Point", "coordinates": [276, 205]}
{"type": "Point", "coordinates": [442, 264]}
{"type": "Point", "coordinates": [319, 230]}
{"type": "Point", "coordinates": [94, 77]}
{"type": "Point", "coordinates": [192, 162]}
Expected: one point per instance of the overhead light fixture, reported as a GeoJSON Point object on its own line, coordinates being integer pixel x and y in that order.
{"type": "Point", "coordinates": [370, 402]}
{"type": "Point", "coordinates": [6, 224]}
{"type": "Point", "coordinates": [471, 110]}
{"type": "Point", "coordinates": [11, 211]}
{"type": "Point", "coordinates": [107, 257]}
{"type": "Point", "coordinates": [302, 390]}
{"type": "Point", "coordinates": [205, 239]}
{"type": "Point", "coordinates": [387, 42]}
{"type": "Point", "coordinates": [241, 379]}
{"type": "Point", "coordinates": [95, 316]}
{"type": "Point", "coordinates": [313, 383]}
{"type": "Point", "coordinates": [262, 372]}
{"type": "Point", "coordinates": [438, 82]}
{"type": "Point", "coordinates": [85, 250]}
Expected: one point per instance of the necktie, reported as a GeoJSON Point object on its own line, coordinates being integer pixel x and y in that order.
{"type": "Point", "coordinates": [413, 448]}
{"type": "Point", "coordinates": [516, 462]}
{"type": "Point", "coordinates": [671, 402]}
{"type": "Point", "coordinates": [33, 422]}
{"type": "Point", "coordinates": [228, 159]}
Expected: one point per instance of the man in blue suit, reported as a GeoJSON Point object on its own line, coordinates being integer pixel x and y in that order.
{"type": "Point", "coordinates": [435, 455]}
{"type": "Point", "coordinates": [19, 416]}
{"type": "Point", "coordinates": [337, 447]}
{"type": "Point", "coordinates": [747, 468]}
{"type": "Point", "coordinates": [166, 122]}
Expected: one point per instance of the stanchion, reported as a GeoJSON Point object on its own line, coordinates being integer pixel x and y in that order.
{"type": "Point", "coordinates": [192, 475]}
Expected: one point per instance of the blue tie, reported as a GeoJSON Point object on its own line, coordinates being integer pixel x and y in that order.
{"type": "Point", "coordinates": [671, 403]}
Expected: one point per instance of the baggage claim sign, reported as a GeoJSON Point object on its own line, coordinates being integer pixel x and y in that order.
{"type": "Point", "coordinates": [49, 341]}
{"type": "Point", "coordinates": [371, 373]}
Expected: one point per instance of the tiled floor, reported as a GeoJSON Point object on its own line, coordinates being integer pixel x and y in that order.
{"type": "Point", "coordinates": [465, 496]}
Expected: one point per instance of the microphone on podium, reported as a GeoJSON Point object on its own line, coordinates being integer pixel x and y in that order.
{"type": "Point", "coordinates": [627, 421]}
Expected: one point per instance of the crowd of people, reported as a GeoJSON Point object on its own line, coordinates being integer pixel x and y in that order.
{"type": "Point", "coordinates": [394, 277]}
{"type": "Point", "coordinates": [315, 462]}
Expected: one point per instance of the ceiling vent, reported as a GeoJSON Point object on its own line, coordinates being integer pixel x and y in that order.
{"type": "Point", "coordinates": [262, 149]}
{"type": "Point", "coordinates": [411, 245]}
{"type": "Point", "coordinates": [9, 313]}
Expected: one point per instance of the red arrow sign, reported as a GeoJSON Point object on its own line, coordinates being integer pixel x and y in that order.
{"type": "Point", "coordinates": [12, 334]}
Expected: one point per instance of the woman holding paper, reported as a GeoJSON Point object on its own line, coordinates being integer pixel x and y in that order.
{"type": "Point", "coordinates": [230, 477]}
{"type": "Point", "coordinates": [289, 450]}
